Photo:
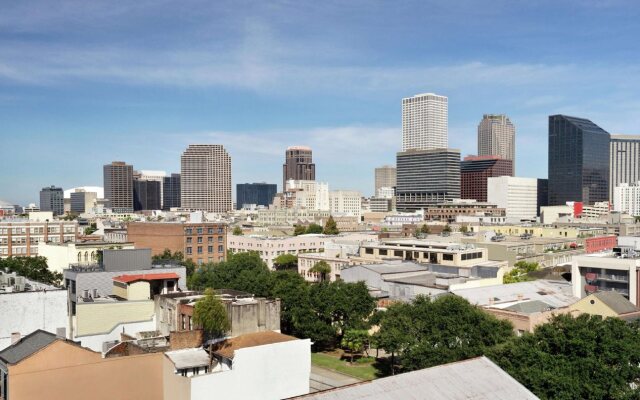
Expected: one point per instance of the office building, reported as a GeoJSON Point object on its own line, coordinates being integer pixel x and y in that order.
{"type": "Point", "coordinates": [310, 195]}
{"type": "Point", "coordinates": [205, 181]}
{"type": "Point", "coordinates": [518, 196]}
{"type": "Point", "coordinates": [624, 160]}
{"type": "Point", "coordinates": [497, 137]}
{"type": "Point", "coordinates": [118, 186]}
{"type": "Point", "coordinates": [146, 195]}
{"type": "Point", "coordinates": [171, 192]}
{"type": "Point", "coordinates": [385, 177]}
{"type": "Point", "coordinates": [345, 202]}
{"type": "Point", "coordinates": [82, 201]}
{"type": "Point", "coordinates": [474, 172]}
{"type": "Point", "coordinates": [578, 161]}
{"type": "Point", "coordinates": [52, 199]}
{"type": "Point", "coordinates": [543, 194]}
{"type": "Point", "coordinates": [298, 165]}
{"type": "Point", "coordinates": [156, 176]}
{"type": "Point", "coordinates": [260, 194]}
{"type": "Point", "coordinates": [424, 122]}
{"type": "Point", "coordinates": [427, 177]}
{"type": "Point", "coordinates": [626, 198]}
{"type": "Point", "coordinates": [20, 236]}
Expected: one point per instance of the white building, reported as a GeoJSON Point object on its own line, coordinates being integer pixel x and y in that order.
{"type": "Point", "coordinates": [310, 195]}
{"type": "Point", "coordinates": [626, 198]}
{"type": "Point", "coordinates": [271, 247]}
{"type": "Point", "coordinates": [345, 202]}
{"type": "Point", "coordinates": [424, 122]}
{"type": "Point", "coordinates": [205, 180]}
{"type": "Point", "coordinates": [624, 160]}
{"type": "Point", "coordinates": [61, 255]}
{"type": "Point", "coordinates": [518, 196]}
{"type": "Point", "coordinates": [385, 192]}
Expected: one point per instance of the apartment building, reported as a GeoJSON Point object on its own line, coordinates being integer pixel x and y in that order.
{"type": "Point", "coordinates": [202, 242]}
{"type": "Point", "coordinates": [271, 247]}
{"type": "Point", "coordinates": [425, 122]}
{"type": "Point", "coordinates": [205, 178]}
{"type": "Point", "coordinates": [20, 236]}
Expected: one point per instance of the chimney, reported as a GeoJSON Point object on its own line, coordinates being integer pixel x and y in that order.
{"type": "Point", "coordinates": [95, 293]}
{"type": "Point", "coordinates": [15, 337]}
{"type": "Point", "coordinates": [520, 297]}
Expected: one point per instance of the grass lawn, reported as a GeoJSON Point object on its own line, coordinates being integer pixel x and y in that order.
{"type": "Point", "coordinates": [365, 371]}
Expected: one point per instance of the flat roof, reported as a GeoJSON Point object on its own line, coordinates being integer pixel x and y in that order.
{"type": "Point", "coordinates": [555, 293]}
{"type": "Point", "coordinates": [394, 267]}
{"type": "Point", "coordinates": [189, 358]}
{"type": "Point", "coordinates": [145, 277]}
{"type": "Point", "coordinates": [477, 378]}
{"type": "Point", "coordinates": [228, 347]}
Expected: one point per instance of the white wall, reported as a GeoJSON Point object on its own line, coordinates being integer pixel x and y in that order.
{"type": "Point", "coordinates": [274, 371]}
{"type": "Point", "coordinates": [94, 342]}
{"type": "Point", "coordinates": [518, 196]}
{"type": "Point", "coordinates": [26, 312]}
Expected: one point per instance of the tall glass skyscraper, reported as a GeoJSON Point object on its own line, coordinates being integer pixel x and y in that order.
{"type": "Point", "coordinates": [578, 161]}
{"type": "Point", "coordinates": [260, 194]}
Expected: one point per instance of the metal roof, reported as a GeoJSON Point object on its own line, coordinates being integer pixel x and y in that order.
{"type": "Point", "coordinates": [478, 379]}
{"type": "Point", "coordinates": [27, 346]}
{"type": "Point", "coordinates": [615, 301]}
{"type": "Point", "coordinates": [189, 358]}
{"type": "Point", "coordinates": [555, 293]}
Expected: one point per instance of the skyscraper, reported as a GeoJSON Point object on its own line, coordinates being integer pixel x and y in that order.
{"type": "Point", "coordinates": [118, 186]}
{"type": "Point", "coordinates": [424, 122]}
{"type": "Point", "coordinates": [476, 170]}
{"type": "Point", "coordinates": [427, 177]}
{"type": "Point", "coordinates": [298, 165]}
{"type": "Point", "coordinates": [385, 177]}
{"type": "Point", "coordinates": [260, 194]}
{"type": "Point", "coordinates": [624, 161]}
{"type": "Point", "coordinates": [149, 175]}
{"type": "Point", "coordinates": [578, 161]}
{"type": "Point", "coordinates": [205, 179]}
{"type": "Point", "coordinates": [52, 199]}
{"type": "Point", "coordinates": [146, 195]}
{"type": "Point", "coordinates": [496, 137]}
{"type": "Point", "coordinates": [171, 192]}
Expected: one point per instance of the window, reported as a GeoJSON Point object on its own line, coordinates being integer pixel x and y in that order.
{"type": "Point", "coordinates": [447, 257]}
{"type": "Point", "coordinates": [199, 231]}
{"type": "Point", "coordinates": [199, 249]}
{"type": "Point", "coordinates": [200, 239]}
{"type": "Point", "coordinates": [220, 249]}
{"type": "Point", "coordinates": [189, 240]}
{"type": "Point", "coordinates": [210, 249]}
{"type": "Point", "coordinates": [210, 231]}
{"type": "Point", "coordinates": [220, 230]}
{"type": "Point", "coordinates": [368, 251]}
{"type": "Point", "coordinates": [210, 239]}
{"type": "Point", "coordinates": [189, 250]}
{"type": "Point", "coordinates": [188, 231]}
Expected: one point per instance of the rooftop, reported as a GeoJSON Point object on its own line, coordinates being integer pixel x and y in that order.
{"type": "Point", "coordinates": [615, 301]}
{"type": "Point", "coordinates": [27, 346]}
{"type": "Point", "coordinates": [228, 347]}
{"type": "Point", "coordinates": [189, 358]}
{"type": "Point", "coordinates": [391, 267]}
{"type": "Point", "coordinates": [557, 294]}
{"type": "Point", "coordinates": [145, 277]}
{"type": "Point", "coordinates": [477, 379]}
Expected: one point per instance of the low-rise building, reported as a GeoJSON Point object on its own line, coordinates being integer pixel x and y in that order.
{"type": "Point", "coordinates": [61, 255]}
{"type": "Point", "coordinates": [20, 236]}
{"type": "Point", "coordinates": [607, 304]}
{"type": "Point", "coordinates": [448, 212]}
{"type": "Point", "coordinates": [202, 242]}
{"type": "Point", "coordinates": [291, 216]}
{"type": "Point", "coordinates": [270, 248]}
{"type": "Point", "coordinates": [444, 253]}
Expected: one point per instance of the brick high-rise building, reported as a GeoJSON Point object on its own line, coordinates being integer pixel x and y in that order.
{"type": "Point", "coordinates": [497, 137]}
{"type": "Point", "coordinates": [298, 165]}
{"type": "Point", "coordinates": [118, 186]}
{"type": "Point", "coordinates": [205, 179]}
{"type": "Point", "coordinates": [476, 170]}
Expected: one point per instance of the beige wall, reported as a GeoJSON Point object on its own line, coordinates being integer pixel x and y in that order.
{"type": "Point", "coordinates": [597, 308]}
{"type": "Point", "coordinates": [176, 387]}
{"type": "Point", "coordinates": [527, 322]}
{"type": "Point", "coordinates": [67, 372]}
{"type": "Point", "coordinates": [140, 290]}
{"type": "Point", "coordinates": [99, 318]}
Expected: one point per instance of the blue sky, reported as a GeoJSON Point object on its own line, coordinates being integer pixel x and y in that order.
{"type": "Point", "coordinates": [84, 83]}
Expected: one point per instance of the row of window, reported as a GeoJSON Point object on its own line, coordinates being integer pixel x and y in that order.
{"type": "Point", "coordinates": [199, 249]}
{"type": "Point", "coordinates": [200, 231]}
{"type": "Point", "coordinates": [209, 239]}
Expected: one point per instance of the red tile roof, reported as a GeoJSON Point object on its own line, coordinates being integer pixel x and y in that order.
{"type": "Point", "coordinates": [145, 277]}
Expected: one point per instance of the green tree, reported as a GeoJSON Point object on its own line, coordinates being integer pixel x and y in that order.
{"type": "Point", "coordinates": [299, 230]}
{"type": "Point", "coordinates": [237, 231]}
{"type": "Point", "coordinates": [330, 227]}
{"type": "Point", "coordinates": [355, 340]}
{"type": "Point", "coordinates": [576, 358]}
{"type": "Point", "coordinates": [211, 315]}
{"type": "Point", "coordinates": [464, 229]}
{"type": "Point", "coordinates": [90, 229]}
{"type": "Point", "coordinates": [433, 332]}
{"type": "Point", "coordinates": [314, 228]}
{"type": "Point", "coordinates": [286, 261]}
{"type": "Point", "coordinates": [446, 229]}
{"type": "Point", "coordinates": [322, 268]}
{"type": "Point", "coordinates": [520, 272]}
{"type": "Point", "coordinates": [424, 229]}
{"type": "Point", "coordinates": [34, 268]}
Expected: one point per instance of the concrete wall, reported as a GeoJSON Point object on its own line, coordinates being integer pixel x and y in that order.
{"type": "Point", "coordinates": [26, 312]}
{"type": "Point", "coordinates": [140, 290]}
{"type": "Point", "coordinates": [101, 318]}
{"type": "Point", "coordinates": [274, 371]}
{"type": "Point", "coordinates": [175, 387]}
{"type": "Point", "coordinates": [258, 316]}
{"type": "Point", "coordinates": [96, 342]}
{"type": "Point", "coordinates": [67, 372]}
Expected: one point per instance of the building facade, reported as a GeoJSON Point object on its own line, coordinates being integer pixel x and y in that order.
{"type": "Point", "coordinates": [270, 248]}
{"type": "Point", "coordinates": [543, 194]}
{"type": "Point", "coordinates": [345, 202]}
{"type": "Point", "coordinates": [52, 199]}
{"type": "Point", "coordinates": [624, 160]}
{"type": "Point", "coordinates": [626, 198]}
{"type": "Point", "coordinates": [171, 192]}
{"type": "Point", "coordinates": [118, 186]}
{"type": "Point", "coordinates": [424, 122]}
{"type": "Point", "coordinates": [20, 237]}
{"type": "Point", "coordinates": [202, 242]}
{"type": "Point", "coordinates": [260, 194]}
{"type": "Point", "coordinates": [497, 137]}
{"type": "Point", "coordinates": [82, 201]}
{"type": "Point", "coordinates": [205, 178]}
{"type": "Point", "coordinates": [518, 196]}
{"type": "Point", "coordinates": [474, 172]}
{"type": "Point", "coordinates": [385, 177]}
{"type": "Point", "coordinates": [147, 195]}
{"type": "Point", "coordinates": [427, 177]}
{"type": "Point", "coordinates": [578, 161]}
{"type": "Point", "coordinates": [298, 165]}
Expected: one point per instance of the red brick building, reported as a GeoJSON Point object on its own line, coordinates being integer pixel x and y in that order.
{"type": "Point", "coordinates": [476, 170]}
{"type": "Point", "coordinates": [600, 243]}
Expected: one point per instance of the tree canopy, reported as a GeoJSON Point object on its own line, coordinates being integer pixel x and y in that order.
{"type": "Point", "coordinates": [314, 228]}
{"type": "Point", "coordinates": [429, 332]}
{"type": "Point", "coordinates": [211, 315]}
{"type": "Point", "coordinates": [321, 268]}
{"type": "Point", "coordinates": [584, 357]}
{"type": "Point", "coordinates": [286, 261]}
{"type": "Point", "coordinates": [237, 231]}
{"type": "Point", "coordinates": [520, 272]}
{"type": "Point", "coordinates": [299, 230]}
{"type": "Point", "coordinates": [330, 227]}
{"type": "Point", "coordinates": [34, 268]}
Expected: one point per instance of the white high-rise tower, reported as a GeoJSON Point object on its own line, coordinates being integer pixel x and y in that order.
{"type": "Point", "coordinates": [206, 178]}
{"type": "Point", "coordinates": [424, 122]}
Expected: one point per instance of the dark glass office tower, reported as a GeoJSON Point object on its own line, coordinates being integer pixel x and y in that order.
{"type": "Point", "coordinates": [255, 193]}
{"type": "Point", "coordinates": [171, 192]}
{"type": "Point", "coordinates": [578, 161]}
{"type": "Point", "coordinates": [146, 195]}
{"type": "Point", "coordinates": [52, 199]}
{"type": "Point", "coordinates": [543, 194]}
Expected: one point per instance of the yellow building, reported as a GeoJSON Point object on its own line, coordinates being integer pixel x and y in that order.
{"type": "Point", "coordinates": [607, 304]}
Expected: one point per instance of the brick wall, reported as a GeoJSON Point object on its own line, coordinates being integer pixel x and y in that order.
{"type": "Point", "coordinates": [185, 339]}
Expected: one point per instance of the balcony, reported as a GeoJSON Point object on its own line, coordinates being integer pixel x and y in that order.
{"type": "Point", "coordinates": [613, 278]}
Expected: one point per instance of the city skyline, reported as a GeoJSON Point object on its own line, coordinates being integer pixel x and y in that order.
{"type": "Point", "coordinates": [250, 83]}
